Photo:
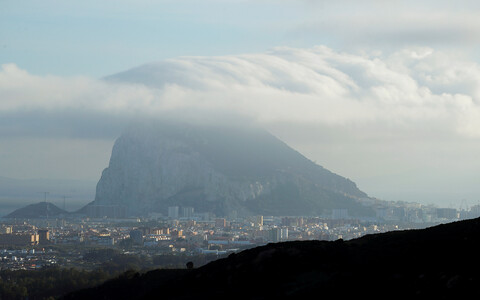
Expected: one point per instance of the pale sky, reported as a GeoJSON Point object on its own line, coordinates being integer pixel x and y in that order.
{"type": "Point", "coordinates": [386, 93]}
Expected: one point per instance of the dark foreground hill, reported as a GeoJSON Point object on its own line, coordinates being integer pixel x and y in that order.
{"type": "Point", "coordinates": [440, 262]}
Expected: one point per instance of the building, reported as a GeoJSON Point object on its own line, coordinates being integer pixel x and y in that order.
{"type": "Point", "coordinates": [475, 211]}
{"type": "Point", "coordinates": [176, 233]}
{"type": "Point", "coordinates": [102, 240]}
{"type": "Point", "coordinates": [6, 229]}
{"type": "Point", "coordinates": [446, 213]}
{"type": "Point", "coordinates": [26, 239]}
{"type": "Point", "coordinates": [289, 221]}
{"type": "Point", "coordinates": [173, 212]}
{"type": "Point", "coordinates": [275, 235]}
{"type": "Point", "coordinates": [157, 231]}
{"type": "Point", "coordinates": [220, 223]}
{"type": "Point", "coordinates": [137, 236]}
{"type": "Point", "coordinates": [43, 236]}
{"type": "Point", "coordinates": [278, 234]}
{"type": "Point", "coordinates": [259, 221]}
{"type": "Point", "coordinates": [146, 230]}
{"type": "Point", "coordinates": [187, 212]}
{"type": "Point", "coordinates": [339, 214]}
{"type": "Point", "coordinates": [399, 213]}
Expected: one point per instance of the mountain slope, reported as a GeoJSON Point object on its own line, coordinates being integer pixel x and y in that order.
{"type": "Point", "coordinates": [37, 210]}
{"type": "Point", "coordinates": [435, 263]}
{"type": "Point", "coordinates": [219, 169]}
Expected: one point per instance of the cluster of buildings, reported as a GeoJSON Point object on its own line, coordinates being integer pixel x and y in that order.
{"type": "Point", "coordinates": [406, 212]}
{"type": "Point", "coordinates": [26, 259]}
{"type": "Point", "coordinates": [185, 232]}
{"type": "Point", "coordinates": [25, 235]}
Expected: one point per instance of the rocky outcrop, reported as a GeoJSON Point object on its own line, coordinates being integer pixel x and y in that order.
{"type": "Point", "coordinates": [217, 169]}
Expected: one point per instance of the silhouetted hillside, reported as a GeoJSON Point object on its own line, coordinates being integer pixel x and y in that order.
{"type": "Point", "coordinates": [440, 262]}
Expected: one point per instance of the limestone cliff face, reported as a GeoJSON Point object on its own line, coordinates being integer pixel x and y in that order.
{"type": "Point", "coordinates": [146, 171]}
{"type": "Point", "coordinates": [219, 170]}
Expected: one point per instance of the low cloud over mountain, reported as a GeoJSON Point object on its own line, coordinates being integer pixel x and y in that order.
{"type": "Point", "coordinates": [402, 90]}
{"type": "Point", "coordinates": [378, 106]}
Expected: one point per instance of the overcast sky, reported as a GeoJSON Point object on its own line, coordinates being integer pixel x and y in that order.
{"type": "Point", "coordinates": [386, 93]}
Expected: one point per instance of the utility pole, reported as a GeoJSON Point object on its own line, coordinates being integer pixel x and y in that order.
{"type": "Point", "coordinates": [64, 197]}
{"type": "Point", "coordinates": [63, 220]}
{"type": "Point", "coordinates": [46, 205]}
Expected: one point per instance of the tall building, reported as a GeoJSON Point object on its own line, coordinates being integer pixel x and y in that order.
{"type": "Point", "coordinates": [278, 234]}
{"type": "Point", "coordinates": [43, 236]}
{"type": "Point", "coordinates": [259, 221]}
{"type": "Point", "coordinates": [173, 212]}
{"type": "Point", "coordinates": [275, 235]}
{"type": "Point", "coordinates": [340, 214]}
{"type": "Point", "coordinates": [220, 223]}
{"type": "Point", "coordinates": [475, 211]}
{"type": "Point", "coordinates": [300, 222]}
{"type": "Point", "coordinates": [187, 212]}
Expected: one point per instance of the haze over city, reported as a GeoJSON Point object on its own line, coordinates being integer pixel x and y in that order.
{"type": "Point", "coordinates": [386, 95]}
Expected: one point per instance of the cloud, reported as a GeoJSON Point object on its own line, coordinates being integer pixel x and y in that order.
{"type": "Point", "coordinates": [406, 90]}
{"type": "Point", "coordinates": [390, 24]}
{"type": "Point", "coordinates": [411, 91]}
{"type": "Point", "coordinates": [398, 124]}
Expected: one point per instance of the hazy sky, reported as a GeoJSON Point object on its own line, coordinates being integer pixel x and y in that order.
{"type": "Point", "coordinates": [386, 93]}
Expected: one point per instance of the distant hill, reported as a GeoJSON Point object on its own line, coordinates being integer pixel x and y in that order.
{"type": "Point", "coordinates": [440, 262]}
{"type": "Point", "coordinates": [221, 169]}
{"type": "Point", "coordinates": [17, 193]}
{"type": "Point", "coordinates": [37, 211]}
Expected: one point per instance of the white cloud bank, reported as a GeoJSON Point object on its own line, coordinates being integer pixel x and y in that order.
{"type": "Point", "coordinates": [411, 90]}
{"type": "Point", "coordinates": [404, 125]}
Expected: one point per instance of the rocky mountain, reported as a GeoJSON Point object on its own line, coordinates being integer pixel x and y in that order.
{"type": "Point", "coordinates": [36, 211]}
{"type": "Point", "coordinates": [220, 169]}
{"type": "Point", "coordinates": [435, 263]}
